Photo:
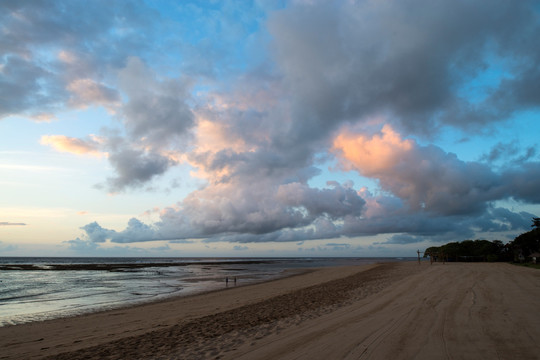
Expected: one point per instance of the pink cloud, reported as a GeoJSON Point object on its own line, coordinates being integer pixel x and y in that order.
{"type": "Point", "coordinates": [425, 177]}
{"type": "Point", "coordinates": [74, 145]}
{"type": "Point", "coordinates": [86, 92]}
{"type": "Point", "coordinates": [371, 155]}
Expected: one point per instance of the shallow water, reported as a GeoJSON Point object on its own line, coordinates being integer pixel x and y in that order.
{"type": "Point", "coordinates": [37, 292]}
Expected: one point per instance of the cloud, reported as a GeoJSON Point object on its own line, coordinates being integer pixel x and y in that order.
{"type": "Point", "coordinates": [135, 231]}
{"type": "Point", "coordinates": [89, 40]}
{"type": "Point", "coordinates": [351, 60]}
{"type": "Point", "coordinates": [403, 239]}
{"type": "Point", "coordinates": [157, 111]}
{"type": "Point", "coordinates": [87, 247]}
{"type": "Point", "coordinates": [372, 155]}
{"type": "Point", "coordinates": [90, 145]}
{"type": "Point", "coordinates": [362, 83]}
{"type": "Point", "coordinates": [25, 85]}
{"type": "Point", "coordinates": [509, 153]}
{"type": "Point", "coordinates": [227, 212]}
{"type": "Point", "coordinates": [338, 246]}
{"type": "Point", "coordinates": [83, 246]}
{"type": "Point", "coordinates": [522, 182]}
{"type": "Point", "coordinates": [156, 117]}
{"type": "Point", "coordinates": [87, 92]}
{"type": "Point", "coordinates": [6, 223]}
{"type": "Point", "coordinates": [6, 248]}
{"type": "Point", "coordinates": [182, 241]}
{"type": "Point", "coordinates": [165, 247]}
{"type": "Point", "coordinates": [134, 167]}
{"type": "Point", "coordinates": [499, 151]}
{"type": "Point", "coordinates": [96, 233]}
{"type": "Point", "coordinates": [425, 177]}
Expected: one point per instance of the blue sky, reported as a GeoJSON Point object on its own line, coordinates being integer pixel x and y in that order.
{"type": "Point", "coordinates": [265, 128]}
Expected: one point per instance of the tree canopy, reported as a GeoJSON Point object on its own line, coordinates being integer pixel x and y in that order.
{"type": "Point", "coordinates": [484, 250]}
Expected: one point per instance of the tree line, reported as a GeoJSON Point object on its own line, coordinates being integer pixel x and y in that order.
{"type": "Point", "coordinates": [517, 250]}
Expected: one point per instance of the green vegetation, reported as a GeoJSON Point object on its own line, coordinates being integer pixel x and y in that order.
{"type": "Point", "coordinates": [518, 250]}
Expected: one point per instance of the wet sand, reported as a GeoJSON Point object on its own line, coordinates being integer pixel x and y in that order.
{"type": "Point", "coordinates": [382, 311]}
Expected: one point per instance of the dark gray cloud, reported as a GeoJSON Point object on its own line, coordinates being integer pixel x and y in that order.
{"type": "Point", "coordinates": [24, 85]}
{"type": "Point", "coordinates": [509, 153]}
{"type": "Point", "coordinates": [135, 168]}
{"type": "Point", "coordinates": [350, 60]}
{"type": "Point", "coordinates": [494, 221]}
{"type": "Point", "coordinates": [522, 182]}
{"type": "Point", "coordinates": [46, 45]}
{"type": "Point", "coordinates": [156, 112]}
{"type": "Point", "coordinates": [500, 151]}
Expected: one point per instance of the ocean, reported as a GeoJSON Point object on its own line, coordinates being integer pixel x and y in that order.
{"type": "Point", "coordinates": [37, 289]}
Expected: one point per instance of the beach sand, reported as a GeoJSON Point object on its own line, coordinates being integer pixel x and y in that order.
{"type": "Point", "coordinates": [381, 311]}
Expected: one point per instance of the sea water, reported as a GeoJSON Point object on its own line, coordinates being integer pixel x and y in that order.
{"type": "Point", "coordinates": [37, 289]}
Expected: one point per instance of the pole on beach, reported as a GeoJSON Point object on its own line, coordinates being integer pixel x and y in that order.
{"type": "Point", "coordinates": [418, 252]}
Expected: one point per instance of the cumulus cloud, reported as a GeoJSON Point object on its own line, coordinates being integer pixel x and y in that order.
{"type": "Point", "coordinates": [96, 233]}
{"type": "Point", "coordinates": [425, 177]}
{"type": "Point", "coordinates": [135, 231]}
{"type": "Point", "coordinates": [156, 111]}
{"type": "Point", "coordinates": [155, 115]}
{"type": "Point", "coordinates": [372, 155]}
{"type": "Point", "coordinates": [227, 212]}
{"type": "Point", "coordinates": [358, 82]}
{"type": "Point", "coordinates": [134, 168]}
{"type": "Point", "coordinates": [427, 193]}
{"type": "Point", "coordinates": [355, 59]}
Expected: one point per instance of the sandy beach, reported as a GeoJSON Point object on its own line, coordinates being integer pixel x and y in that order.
{"type": "Point", "coordinates": [380, 311]}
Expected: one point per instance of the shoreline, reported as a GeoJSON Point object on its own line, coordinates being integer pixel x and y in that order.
{"type": "Point", "coordinates": [381, 310]}
{"type": "Point", "coordinates": [67, 287]}
{"type": "Point", "coordinates": [37, 340]}
{"type": "Point", "coordinates": [163, 298]}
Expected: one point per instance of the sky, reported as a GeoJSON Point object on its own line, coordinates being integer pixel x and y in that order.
{"type": "Point", "coordinates": [266, 128]}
